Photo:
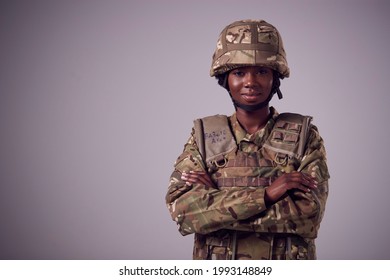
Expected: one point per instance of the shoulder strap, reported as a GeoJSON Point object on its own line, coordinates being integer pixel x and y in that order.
{"type": "Point", "coordinates": [214, 137]}
{"type": "Point", "coordinates": [289, 135]}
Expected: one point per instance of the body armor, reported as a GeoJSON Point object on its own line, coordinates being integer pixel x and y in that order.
{"type": "Point", "coordinates": [231, 165]}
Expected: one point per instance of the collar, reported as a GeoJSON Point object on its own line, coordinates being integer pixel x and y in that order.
{"type": "Point", "coordinates": [259, 136]}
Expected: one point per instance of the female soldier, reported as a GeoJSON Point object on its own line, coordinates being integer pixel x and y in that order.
{"type": "Point", "coordinates": [253, 185]}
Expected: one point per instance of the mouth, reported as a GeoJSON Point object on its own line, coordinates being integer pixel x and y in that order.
{"type": "Point", "coordinates": [251, 96]}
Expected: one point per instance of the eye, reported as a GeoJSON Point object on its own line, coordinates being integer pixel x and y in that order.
{"type": "Point", "coordinates": [238, 73]}
{"type": "Point", "coordinates": [263, 71]}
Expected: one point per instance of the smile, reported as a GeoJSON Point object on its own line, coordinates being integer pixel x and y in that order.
{"type": "Point", "coordinates": [250, 97]}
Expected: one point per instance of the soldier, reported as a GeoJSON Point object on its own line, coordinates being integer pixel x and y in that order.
{"type": "Point", "coordinates": [252, 185]}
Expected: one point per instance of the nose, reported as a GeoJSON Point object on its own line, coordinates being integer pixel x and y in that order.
{"type": "Point", "coordinates": [250, 79]}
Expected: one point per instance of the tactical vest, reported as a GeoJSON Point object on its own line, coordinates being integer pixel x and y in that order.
{"type": "Point", "coordinates": [229, 166]}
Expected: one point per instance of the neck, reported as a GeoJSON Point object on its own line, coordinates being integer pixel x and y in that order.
{"type": "Point", "coordinates": [253, 121]}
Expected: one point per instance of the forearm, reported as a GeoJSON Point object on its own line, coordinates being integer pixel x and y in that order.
{"type": "Point", "coordinates": [202, 209]}
{"type": "Point", "coordinates": [297, 213]}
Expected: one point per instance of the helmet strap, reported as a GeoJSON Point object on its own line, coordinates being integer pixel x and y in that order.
{"type": "Point", "coordinates": [279, 93]}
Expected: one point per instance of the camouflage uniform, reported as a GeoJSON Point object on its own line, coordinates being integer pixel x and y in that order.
{"type": "Point", "coordinates": [235, 214]}
{"type": "Point", "coordinates": [232, 221]}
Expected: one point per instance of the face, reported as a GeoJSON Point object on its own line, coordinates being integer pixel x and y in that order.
{"type": "Point", "coordinates": [250, 85]}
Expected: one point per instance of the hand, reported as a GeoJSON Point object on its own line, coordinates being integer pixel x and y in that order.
{"type": "Point", "coordinates": [194, 177]}
{"type": "Point", "coordinates": [288, 181]}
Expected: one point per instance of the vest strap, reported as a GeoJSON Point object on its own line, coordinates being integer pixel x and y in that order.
{"type": "Point", "coordinates": [245, 182]}
{"type": "Point", "coordinates": [288, 137]}
{"type": "Point", "coordinates": [214, 137]}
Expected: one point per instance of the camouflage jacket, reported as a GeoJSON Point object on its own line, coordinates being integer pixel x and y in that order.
{"type": "Point", "coordinates": [232, 221]}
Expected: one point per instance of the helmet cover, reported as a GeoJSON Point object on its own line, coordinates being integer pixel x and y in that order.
{"type": "Point", "coordinates": [249, 43]}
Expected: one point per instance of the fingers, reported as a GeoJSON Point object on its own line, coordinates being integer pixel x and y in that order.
{"type": "Point", "coordinates": [190, 178]}
{"type": "Point", "coordinates": [301, 187]}
{"type": "Point", "coordinates": [288, 181]}
{"type": "Point", "coordinates": [301, 181]}
{"type": "Point", "coordinates": [194, 177]}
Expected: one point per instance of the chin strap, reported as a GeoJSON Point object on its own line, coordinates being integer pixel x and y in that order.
{"type": "Point", "coordinates": [279, 93]}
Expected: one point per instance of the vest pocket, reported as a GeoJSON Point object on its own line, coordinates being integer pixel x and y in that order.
{"type": "Point", "coordinates": [215, 246]}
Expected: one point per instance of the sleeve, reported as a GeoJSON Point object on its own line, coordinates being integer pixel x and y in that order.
{"type": "Point", "coordinates": [201, 209]}
{"type": "Point", "coordinates": [297, 212]}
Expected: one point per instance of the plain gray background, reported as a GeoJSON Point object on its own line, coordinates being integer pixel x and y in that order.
{"type": "Point", "coordinates": [97, 100]}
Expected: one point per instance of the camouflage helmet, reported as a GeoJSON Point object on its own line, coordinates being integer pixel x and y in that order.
{"type": "Point", "coordinates": [249, 43]}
